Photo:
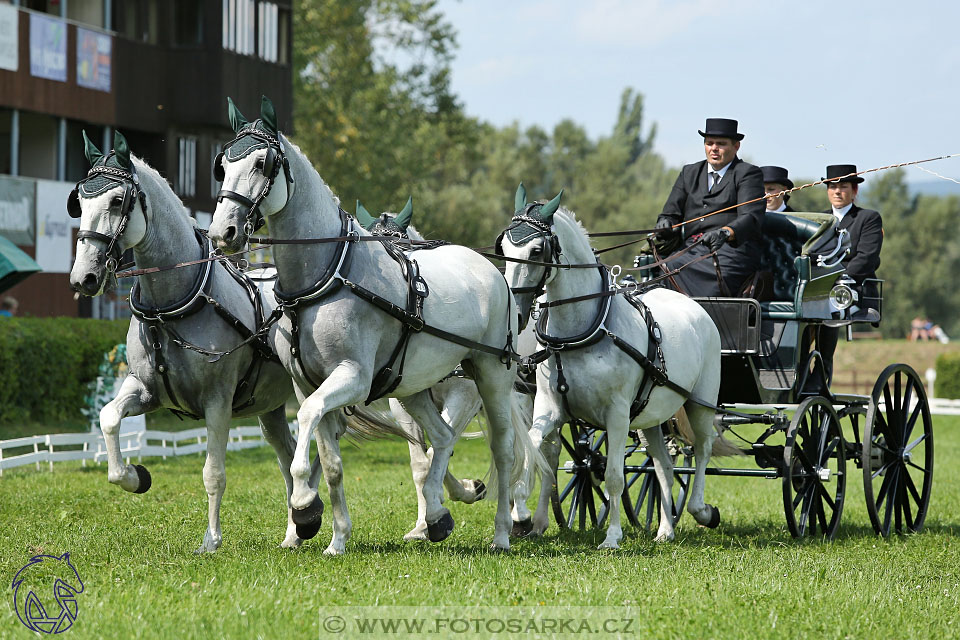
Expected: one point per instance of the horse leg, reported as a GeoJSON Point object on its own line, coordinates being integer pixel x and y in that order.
{"type": "Point", "coordinates": [419, 466]}
{"type": "Point", "coordinates": [318, 415]}
{"type": "Point", "coordinates": [495, 383]}
{"type": "Point", "coordinates": [663, 467]}
{"type": "Point", "coordinates": [461, 405]}
{"type": "Point", "coordinates": [275, 430]}
{"type": "Point", "coordinates": [438, 519]}
{"type": "Point", "coordinates": [701, 420]}
{"type": "Point", "coordinates": [129, 402]}
{"type": "Point", "coordinates": [544, 432]}
{"type": "Point", "coordinates": [617, 423]}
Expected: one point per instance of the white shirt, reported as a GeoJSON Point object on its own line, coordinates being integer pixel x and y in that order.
{"type": "Point", "coordinates": [719, 173]}
{"type": "Point", "coordinates": [839, 213]}
{"type": "Point", "coordinates": [783, 205]}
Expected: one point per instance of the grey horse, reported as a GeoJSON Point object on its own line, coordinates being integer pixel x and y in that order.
{"type": "Point", "coordinates": [182, 319]}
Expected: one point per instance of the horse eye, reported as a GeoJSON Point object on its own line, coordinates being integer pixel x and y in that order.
{"type": "Point", "coordinates": [260, 163]}
{"type": "Point", "coordinates": [117, 201]}
{"type": "Point", "coordinates": [536, 250]}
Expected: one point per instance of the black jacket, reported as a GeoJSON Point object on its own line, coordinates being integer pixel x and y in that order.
{"type": "Point", "coordinates": [866, 239]}
{"type": "Point", "coordinates": [690, 199]}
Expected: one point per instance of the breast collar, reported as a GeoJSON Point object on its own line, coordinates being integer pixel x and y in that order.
{"type": "Point", "coordinates": [592, 335]}
{"type": "Point", "coordinates": [187, 305]}
{"type": "Point", "coordinates": [332, 278]}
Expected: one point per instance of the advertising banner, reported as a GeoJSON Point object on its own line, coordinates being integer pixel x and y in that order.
{"type": "Point", "coordinates": [93, 59]}
{"type": "Point", "coordinates": [55, 244]}
{"type": "Point", "coordinates": [48, 48]}
{"type": "Point", "coordinates": [9, 40]}
{"type": "Point", "coordinates": [16, 210]}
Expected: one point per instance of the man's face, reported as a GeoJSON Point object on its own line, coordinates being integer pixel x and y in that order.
{"type": "Point", "coordinates": [770, 188]}
{"type": "Point", "coordinates": [840, 194]}
{"type": "Point", "coordinates": [720, 151]}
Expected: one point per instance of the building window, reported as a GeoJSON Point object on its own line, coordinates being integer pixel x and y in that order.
{"type": "Point", "coordinates": [187, 23]}
{"type": "Point", "coordinates": [239, 26]}
{"type": "Point", "coordinates": [187, 167]}
{"type": "Point", "coordinates": [267, 30]}
{"type": "Point", "coordinates": [283, 37]}
{"type": "Point", "coordinates": [136, 19]}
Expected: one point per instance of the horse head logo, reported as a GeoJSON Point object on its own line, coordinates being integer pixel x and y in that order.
{"type": "Point", "coordinates": [45, 593]}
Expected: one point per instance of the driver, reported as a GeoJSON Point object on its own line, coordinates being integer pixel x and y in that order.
{"type": "Point", "coordinates": [722, 180]}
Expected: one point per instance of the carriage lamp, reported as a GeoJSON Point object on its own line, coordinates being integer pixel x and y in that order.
{"type": "Point", "coordinates": [843, 295]}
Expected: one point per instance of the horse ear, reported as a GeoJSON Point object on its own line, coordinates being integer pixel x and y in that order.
{"type": "Point", "coordinates": [268, 114]}
{"type": "Point", "coordinates": [122, 149]}
{"type": "Point", "coordinates": [90, 150]}
{"type": "Point", "coordinates": [520, 200]}
{"type": "Point", "coordinates": [236, 118]}
{"type": "Point", "coordinates": [547, 210]}
{"type": "Point", "coordinates": [403, 218]}
{"type": "Point", "coordinates": [364, 218]}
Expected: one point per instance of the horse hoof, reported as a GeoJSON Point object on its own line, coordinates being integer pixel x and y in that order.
{"type": "Point", "coordinates": [714, 517]}
{"type": "Point", "coordinates": [498, 549]}
{"type": "Point", "coordinates": [308, 520]}
{"type": "Point", "coordinates": [480, 490]}
{"type": "Point", "coordinates": [440, 529]}
{"type": "Point", "coordinates": [145, 482]}
{"type": "Point", "coordinates": [521, 528]}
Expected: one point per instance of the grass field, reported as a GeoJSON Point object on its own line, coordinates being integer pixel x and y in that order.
{"type": "Point", "coordinates": [746, 579]}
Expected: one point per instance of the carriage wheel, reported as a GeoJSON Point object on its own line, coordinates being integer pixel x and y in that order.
{"type": "Point", "coordinates": [897, 452]}
{"type": "Point", "coordinates": [643, 508]}
{"type": "Point", "coordinates": [581, 498]}
{"type": "Point", "coordinates": [814, 471]}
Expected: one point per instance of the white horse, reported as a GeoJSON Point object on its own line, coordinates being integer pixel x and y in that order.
{"type": "Point", "coordinates": [124, 203]}
{"type": "Point", "coordinates": [458, 401]}
{"type": "Point", "coordinates": [600, 380]}
{"type": "Point", "coordinates": [352, 325]}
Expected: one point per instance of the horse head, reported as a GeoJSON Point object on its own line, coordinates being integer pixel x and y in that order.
{"type": "Point", "coordinates": [388, 224]}
{"type": "Point", "coordinates": [111, 205]}
{"type": "Point", "coordinates": [249, 167]}
{"type": "Point", "coordinates": [529, 237]}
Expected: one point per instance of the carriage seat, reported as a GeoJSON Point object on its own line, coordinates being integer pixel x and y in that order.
{"type": "Point", "coordinates": [782, 241]}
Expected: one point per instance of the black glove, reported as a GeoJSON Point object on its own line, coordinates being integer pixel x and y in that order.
{"type": "Point", "coordinates": [715, 238]}
{"type": "Point", "coordinates": [664, 229]}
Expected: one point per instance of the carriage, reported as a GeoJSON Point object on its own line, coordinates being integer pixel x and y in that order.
{"type": "Point", "coordinates": [773, 386]}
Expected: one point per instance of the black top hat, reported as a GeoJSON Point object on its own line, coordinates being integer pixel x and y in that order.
{"type": "Point", "coordinates": [721, 128]}
{"type": "Point", "coordinates": [777, 175]}
{"type": "Point", "coordinates": [839, 170]}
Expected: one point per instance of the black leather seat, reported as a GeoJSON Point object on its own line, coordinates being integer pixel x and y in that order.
{"type": "Point", "coordinates": [782, 243]}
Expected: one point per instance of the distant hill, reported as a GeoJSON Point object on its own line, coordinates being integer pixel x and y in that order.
{"type": "Point", "coordinates": [935, 188]}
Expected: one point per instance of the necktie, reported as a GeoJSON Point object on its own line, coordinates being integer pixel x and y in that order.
{"type": "Point", "coordinates": [716, 178]}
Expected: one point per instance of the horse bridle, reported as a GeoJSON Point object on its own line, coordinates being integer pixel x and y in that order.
{"type": "Point", "coordinates": [274, 159]}
{"type": "Point", "coordinates": [524, 217]}
{"type": "Point", "coordinates": [131, 194]}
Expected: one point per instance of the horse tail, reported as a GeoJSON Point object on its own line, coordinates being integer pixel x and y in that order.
{"type": "Point", "coordinates": [721, 446]}
{"type": "Point", "coordinates": [371, 423]}
{"type": "Point", "coordinates": [526, 457]}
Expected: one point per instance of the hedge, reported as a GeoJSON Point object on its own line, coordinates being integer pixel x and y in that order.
{"type": "Point", "coordinates": [948, 376]}
{"type": "Point", "coordinates": [46, 363]}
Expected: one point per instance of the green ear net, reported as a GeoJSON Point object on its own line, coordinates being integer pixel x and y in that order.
{"type": "Point", "coordinates": [403, 218]}
{"type": "Point", "coordinates": [268, 115]}
{"type": "Point", "coordinates": [547, 210]}
{"type": "Point", "coordinates": [122, 149]}
{"type": "Point", "coordinates": [236, 118]}
{"type": "Point", "coordinates": [520, 200]}
{"type": "Point", "coordinates": [363, 217]}
{"type": "Point", "coordinates": [90, 150]}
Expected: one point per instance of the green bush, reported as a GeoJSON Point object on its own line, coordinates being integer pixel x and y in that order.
{"type": "Point", "coordinates": [948, 376]}
{"type": "Point", "coordinates": [46, 363]}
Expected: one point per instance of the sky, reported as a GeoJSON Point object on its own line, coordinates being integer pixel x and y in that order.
{"type": "Point", "coordinates": [812, 83]}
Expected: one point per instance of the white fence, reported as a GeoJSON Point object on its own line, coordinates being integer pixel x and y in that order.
{"type": "Point", "coordinates": [90, 446]}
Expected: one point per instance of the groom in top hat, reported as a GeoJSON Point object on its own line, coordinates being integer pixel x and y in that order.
{"type": "Point", "coordinates": [721, 181]}
{"type": "Point", "coordinates": [775, 181]}
{"type": "Point", "coordinates": [865, 229]}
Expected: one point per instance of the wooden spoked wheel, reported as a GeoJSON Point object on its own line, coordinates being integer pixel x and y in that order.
{"type": "Point", "coordinates": [641, 492]}
{"type": "Point", "coordinates": [581, 502]}
{"type": "Point", "coordinates": [814, 470]}
{"type": "Point", "coordinates": [898, 452]}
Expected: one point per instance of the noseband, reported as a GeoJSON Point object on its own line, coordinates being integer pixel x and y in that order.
{"type": "Point", "coordinates": [131, 194]}
{"type": "Point", "coordinates": [275, 159]}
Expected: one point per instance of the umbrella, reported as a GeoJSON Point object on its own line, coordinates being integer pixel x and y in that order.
{"type": "Point", "coordinates": [15, 265]}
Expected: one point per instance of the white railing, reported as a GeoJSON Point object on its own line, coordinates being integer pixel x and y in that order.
{"type": "Point", "coordinates": [90, 446]}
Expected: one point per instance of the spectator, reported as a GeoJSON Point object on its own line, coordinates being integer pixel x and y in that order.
{"type": "Point", "coordinates": [918, 329]}
{"type": "Point", "coordinates": [8, 307]}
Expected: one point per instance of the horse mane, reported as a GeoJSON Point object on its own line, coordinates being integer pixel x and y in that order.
{"type": "Point", "coordinates": [159, 192]}
{"type": "Point", "coordinates": [574, 240]}
{"type": "Point", "coordinates": [300, 163]}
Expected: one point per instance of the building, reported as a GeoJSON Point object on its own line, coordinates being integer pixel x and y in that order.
{"type": "Point", "coordinates": [159, 71]}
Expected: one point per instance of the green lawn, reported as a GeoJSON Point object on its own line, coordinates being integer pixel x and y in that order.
{"type": "Point", "coordinates": [746, 579]}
